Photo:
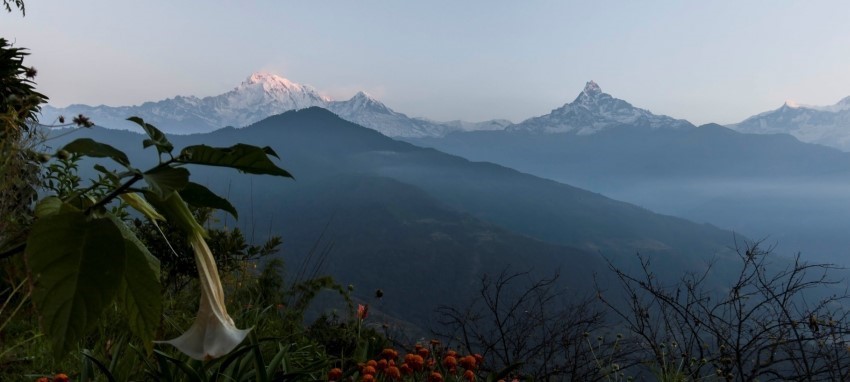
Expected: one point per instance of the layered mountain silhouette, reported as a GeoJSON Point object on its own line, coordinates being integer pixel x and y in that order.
{"type": "Point", "coordinates": [423, 225]}
{"type": "Point", "coordinates": [767, 185]}
{"type": "Point", "coordinates": [772, 187]}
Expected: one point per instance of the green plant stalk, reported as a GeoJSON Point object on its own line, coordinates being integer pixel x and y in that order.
{"type": "Point", "coordinates": [17, 308]}
{"type": "Point", "coordinates": [9, 349]}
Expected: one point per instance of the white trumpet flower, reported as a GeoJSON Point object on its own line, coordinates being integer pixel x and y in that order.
{"type": "Point", "coordinates": [213, 334]}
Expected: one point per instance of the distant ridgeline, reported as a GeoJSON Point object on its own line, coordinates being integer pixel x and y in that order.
{"type": "Point", "coordinates": [408, 213]}
{"type": "Point", "coordinates": [424, 226]}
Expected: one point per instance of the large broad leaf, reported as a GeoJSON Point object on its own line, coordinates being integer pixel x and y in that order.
{"type": "Point", "coordinates": [50, 205]}
{"type": "Point", "coordinates": [140, 204]}
{"type": "Point", "coordinates": [77, 265]}
{"type": "Point", "coordinates": [140, 289]}
{"type": "Point", "coordinates": [107, 173]}
{"type": "Point", "coordinates": [175, 210]}
{"type": "Point", "coordinates": [157, 138]}
{"type": "Point", "coordinates": [245, 158]}
{"type": "Point", "coordinates": [165, 180]}
{"type": "Point", "coordinates": [269, 151]}
{"type": "Point", "coordinates": [200, 196]}
{"type": "Point", "coordinates": [91, 148]}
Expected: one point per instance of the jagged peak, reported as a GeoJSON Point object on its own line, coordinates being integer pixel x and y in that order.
{"type": "Point", "coordinates": [363, 99]}
{"type": "Point", "coordinates": [592, 88]}
{"type": "Point", "coordinates": [363, 95]}
{"type": "Point", "coordinates": [791, 104]}
{"type": "Point", "coordinates": [277, 86]}
{"type": "Point", "coordinates": [590, 94]}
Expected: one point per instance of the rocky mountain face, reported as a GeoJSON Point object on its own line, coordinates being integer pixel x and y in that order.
{"type": "Point", "coordinates": [824, 125]}
{"type": "Point", "coordinates": [594, 111]}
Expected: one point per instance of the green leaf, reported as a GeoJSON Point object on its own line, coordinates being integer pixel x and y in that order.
{"type": "Point", "coordinates": [176, 212]}
{"type": "Point", "coordinates": [165, 180]}
{"type": "Point", "coordinates": [50, 205]}
{"type": "Point", "coordinates": [77, 265]}
{"type": "Point", "coordinates": [269, 151]}
{"type": "Point", "coordinates": [157, 138]}
{"type": "Point", "coordinates": [272, 367]}
{"type": "Point", "coordinates": [191, 374]}
{"type": "Point", "coordinates": [91, 148]}
{"type": "Point", "coordinates": [140, 289]}
{"type": "Point", "coordinates": [109, 174]}
{"type": "Point", "coordinates": [140, 204]}
{"type": "Point", "coordinates": [245, 158]}
{"type": "Point", "coordinates": [259, 362]}
{"type": "Point", "coordinates": [199, 196]}
{"type": "Point", "coordinates": [91, 359]}
{"type": "Point", "coordinates": [361, 351]}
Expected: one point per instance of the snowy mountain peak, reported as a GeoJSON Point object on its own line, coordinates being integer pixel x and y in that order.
{"type": "Point", "coordinates": [280, 88]}
{"type": "Point", "coordinates": [591, 95]}
{"type": "Point", "coordinates": [360, 103]}
{"type": "Point", "coordinates": [594, 111]}
{"type": "Point", "coordinates": [361, 95]}
{"type": "Point", "coordinates": [791, 103]}
{"type": "Point", "coordinates": [267, 78]}
{"type": "Point", "coordinates": [592, 88]}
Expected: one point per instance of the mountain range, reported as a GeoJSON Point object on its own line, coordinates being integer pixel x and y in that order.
{"type": "Point", "coordinates": [769, 186]}
{"type": "Point", "coordinates": [264, 94]}
{"type": "Point", "coordinates": [260, 96]}
{"type": "Point", "coordinates": [823, 125]}
{"type": "Point", "coordinates": [423, 225]}
{"type": "Point", "coordinates": [751, 183]}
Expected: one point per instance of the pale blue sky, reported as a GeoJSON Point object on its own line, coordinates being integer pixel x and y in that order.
{"type": "Point", "coordinates": [705, 61]}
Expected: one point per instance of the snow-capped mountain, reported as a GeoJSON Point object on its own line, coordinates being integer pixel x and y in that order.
{"type": "Point", "coordinates": [593, 111]}
{"type": "Point", "coordinates": [824, 125]}
{"type": "Point", "coordinates": [365, 110]}
{"type": "Point", "coordinates": [259, 96]}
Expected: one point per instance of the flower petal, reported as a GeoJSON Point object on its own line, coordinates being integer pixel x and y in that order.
{"type": "Point", "coordinates": [213, 334]}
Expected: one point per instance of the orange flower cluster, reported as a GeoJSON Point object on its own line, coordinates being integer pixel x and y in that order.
{"type": "Point", "coordinates": [432, 364]}
{"type": "Point", "coordinates": [335, 374]}
{"type": "Point", "coordinates": [61, 377]}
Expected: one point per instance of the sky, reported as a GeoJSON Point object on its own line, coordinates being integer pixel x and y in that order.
{"type": "Point", "coordinates": [704, 61]}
